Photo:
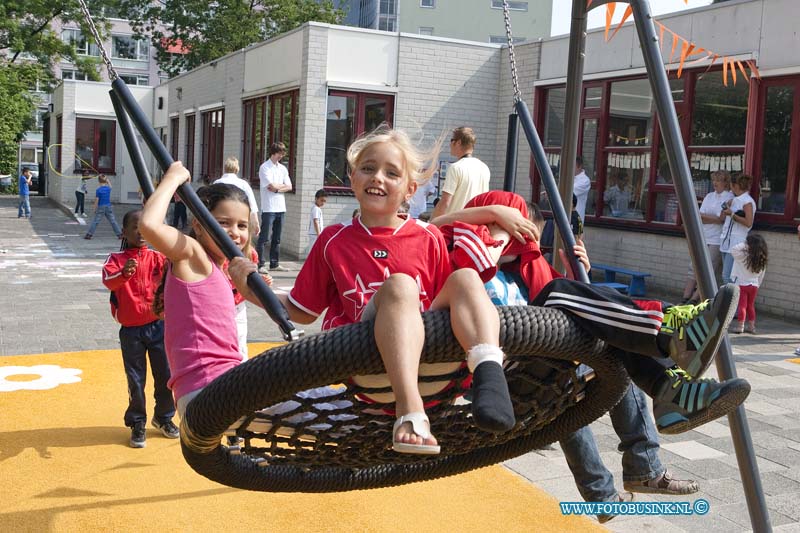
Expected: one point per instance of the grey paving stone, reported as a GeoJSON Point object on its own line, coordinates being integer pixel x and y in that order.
{"type": "Point", "coordinates": [739, 514]}
{"type": "Point", "coordinates": [786, 504]}
{"type": "Point", "coordinates": [708, 469]}
{"type": "Point", "coordinates": [786, 457]}
{"type": "Point", "coordinates": [774, 483]}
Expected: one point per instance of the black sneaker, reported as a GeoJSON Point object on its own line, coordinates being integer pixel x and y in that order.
{"type": "Point", "coordinates": [138, 436]}
{"type": "Point", "coordinates": [697, 330]}
{"type": "Point", "coordinates": [168, 429]}
{"type": "Point", "coordinates": [683, 403]}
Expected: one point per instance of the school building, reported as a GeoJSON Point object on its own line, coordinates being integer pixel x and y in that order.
{"type": "Point", "coordinates": [320, 86]}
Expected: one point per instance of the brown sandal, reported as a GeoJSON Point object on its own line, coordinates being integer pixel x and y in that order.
{"type": "Point", "coordinates": [663, 484]}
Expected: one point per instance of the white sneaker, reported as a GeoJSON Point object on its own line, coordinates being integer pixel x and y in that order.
{"type": "Point", "coordinates": [263, 269]}
{"type": "Point", "coordinates": [279, 268]}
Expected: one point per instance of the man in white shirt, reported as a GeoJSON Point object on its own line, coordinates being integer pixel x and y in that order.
{"type": "Point", "coordinates": [581, 187]}
{"type": "Point", "coordinates": [274, 179]}
{"type": "Point", "coordinates": [419, 202]}
{"type": "Point", "coordinates": [230, 177]}
{"type": "Point", "coordinates": [466, 178]}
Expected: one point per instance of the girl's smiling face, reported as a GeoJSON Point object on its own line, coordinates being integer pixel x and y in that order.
{"type": "Point", "coordinates": [234, 217]}
{"type": "Point", "coordinates": [381, 184]}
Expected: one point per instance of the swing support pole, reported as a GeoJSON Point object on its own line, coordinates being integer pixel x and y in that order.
{"type": "Point", "coordinates": [682, 178]}
{"type": "Point", "coordinates": [510, 177]}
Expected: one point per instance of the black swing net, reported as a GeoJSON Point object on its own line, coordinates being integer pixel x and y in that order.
{"type": "Point", "coordinates": [301, 421]}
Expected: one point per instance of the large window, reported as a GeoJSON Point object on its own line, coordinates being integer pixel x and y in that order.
{"type": "Point", "coordinates": [254, 113]}
{"type": "Point", "coordinates": [189, 152]}
{"type": "Point", "coordinates": [349, 115]}
{"type": "Point", "coordinates": [213, 144]}
{"type": "Point", "coordinates": [94, 145]}
{"type": "Point", "coordinates": [174, 125]}
{"type": "Point", "coordinates": [126, 47]}
{"type": "Point", "coordinates": [68, 74]}
{"type": "Point", "coordinates": [82, 45]}
{"type": "Point", "coordinates": [283, 125]}
{"type": "Point", "coordinates": [620, 142]}
{"type": "Point", "coordinates": [135, 79]}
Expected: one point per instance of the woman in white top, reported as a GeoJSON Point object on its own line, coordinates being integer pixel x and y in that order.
{"type": "Point", "coordinates": [739, 215]}
{"type": "Point", "coordinates": [749, 267]}
{"type": "Point", "coordinates": [712, 218]}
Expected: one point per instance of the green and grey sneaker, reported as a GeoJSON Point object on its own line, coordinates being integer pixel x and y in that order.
{"type": "Point", "coordinates": [683, 403]}
{"type": "Point", "coordinates": [696, 330]}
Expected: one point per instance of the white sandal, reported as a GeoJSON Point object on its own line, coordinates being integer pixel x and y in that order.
{"type": "Point", "coordinates": [418, 425]}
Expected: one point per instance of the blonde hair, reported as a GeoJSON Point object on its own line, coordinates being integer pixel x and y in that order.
{"type": "Point", "coordinates": [466, 136]}
{"type": "Point", "coordinates": [419, 165]}
{"type": "Point", "coordinates": [722, 175]}
{"type": "Point", "coordinates": [102, 178]}
{"type": "Point", "coordinates": [231, 165]}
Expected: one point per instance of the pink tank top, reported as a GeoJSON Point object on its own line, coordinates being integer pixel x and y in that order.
{"type": "Point", "coordinates": [199, 331]}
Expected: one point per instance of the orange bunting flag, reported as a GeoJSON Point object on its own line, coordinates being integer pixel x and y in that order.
{"type": "Point", "coordinates": [609, 15]}
{"type": "Point", "coordinates": [753, 69]}
{"type": "Point", "coordinates": [725, 71]}
{"type": "Point", "coordinates": [628, 13]}
{"type": "Point", "coordinates": [741, 67]}
{"type": "Point", "coordinates": [660, 36]}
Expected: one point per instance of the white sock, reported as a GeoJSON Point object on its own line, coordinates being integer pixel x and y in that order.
{"type": "Point", "coordinates": [481, 353]}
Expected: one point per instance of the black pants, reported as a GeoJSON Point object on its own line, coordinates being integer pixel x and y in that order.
{"type": "Point", "coordinates": [616, 319]}
{"type": "Point", "coordinates": [137, 344]}
{"type": "Point", "coordinates": [179, 215]}
{"type": "Point", "coordinates": [79, 197]}
{"type": "Point", "coordinates": [271, 227]}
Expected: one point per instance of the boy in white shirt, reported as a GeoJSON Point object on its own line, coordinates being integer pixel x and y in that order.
{"type": "Point", "coordinates": [316, 224]}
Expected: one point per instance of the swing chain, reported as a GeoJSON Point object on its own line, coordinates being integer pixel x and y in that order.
{"type": "Point", "coordinates": [511, 57]}
{"type": "Point", "coordinates": [112, 74]}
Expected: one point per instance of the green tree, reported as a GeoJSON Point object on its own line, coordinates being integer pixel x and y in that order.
{"type": "Point", "coordinates": [209, 30]}
{"type": "Point", "coordinates": [29, 49]}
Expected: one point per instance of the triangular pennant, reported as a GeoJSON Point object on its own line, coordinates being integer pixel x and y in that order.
{"type": "Point", "coordinates": [732, 64]}
{"type": "Point", "coordinates": [628, 13]}
{"type": "Point", "coordinates": [675, 40]}
{"type": "Point", "coordinates": [609, 15]}
{"type": "Point", "coordinates": [588, 4]}
{"type": "Point", "coordinates": [685, 49]}
{"type": "Point", "coordinates": [741, 67]}
{"type": "Point", "coordinates": [660, 37]}
{"type": "Point", "coordinates": [725, 71]}
{"type": "Point", "coordinates": [753, 69]}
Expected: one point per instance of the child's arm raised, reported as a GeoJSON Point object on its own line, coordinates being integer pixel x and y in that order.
{"type": "Point", "coordinates": [174, 244]}
{"type": "Point", "coordinates": [508, 218]}
{"type": "Point", "coordinates": [240, 268]}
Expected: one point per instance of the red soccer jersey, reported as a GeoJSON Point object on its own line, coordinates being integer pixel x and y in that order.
{"type": "Point", "coordinates": [132, 297]}
{"type": "Point", "coordinates": [349, 262]}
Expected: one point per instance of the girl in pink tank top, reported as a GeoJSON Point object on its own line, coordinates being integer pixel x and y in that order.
{"type": "Point", "coordinates": [196, 296]}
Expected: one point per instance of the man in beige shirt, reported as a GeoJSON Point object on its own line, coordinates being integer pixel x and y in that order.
{"type": "Point", "coordinates": [466, 178]}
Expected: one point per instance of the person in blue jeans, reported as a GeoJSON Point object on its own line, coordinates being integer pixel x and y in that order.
{"type": "Point", "coordinates": [24, 193]}
{"type": "Point", "coordinates": [102, 208]}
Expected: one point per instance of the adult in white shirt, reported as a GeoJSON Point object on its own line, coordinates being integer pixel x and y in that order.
{"type": "Point", "coordinates": [419, 202]}
{"type": "Point", "coordinates": [274, 179]}
{"type": "Point", "coordinates": [466, 178]}
{"type": "Point", "coordinates": [581, 186]}
{"type": "Point", "coordinates": [230, 177]}
{"type": "Point", "coordinates": [712, 218]}
{"type": "Point", "coordinates": [739, 216]}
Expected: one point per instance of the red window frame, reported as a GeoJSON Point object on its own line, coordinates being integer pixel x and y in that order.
{"type": "Point", "coordinates": [96, 143]}
{"type": "Point", "coordinates": [281, 129]}
{"type": "Point", "coordinates": [190, 133]}
{"type": "Point", "coordinates": [359, 120]}
{"type": "Point", "coordinates": [174, 125]}
{"type": "Point", "coordinates": [254, 124]}
{"type": "Point", "coordinates": [685, 109]}
{"type": "Point", "coordinates": [213, 124]}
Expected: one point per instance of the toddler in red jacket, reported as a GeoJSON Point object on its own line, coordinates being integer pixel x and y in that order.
{"type": "Point", "coordinates": [133, 275]}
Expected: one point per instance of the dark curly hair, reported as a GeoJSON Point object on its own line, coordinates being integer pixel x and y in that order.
{"type": "Point", "coordinates": [211, 196]}
{"type": "Point", "coordinates": [756, 260]}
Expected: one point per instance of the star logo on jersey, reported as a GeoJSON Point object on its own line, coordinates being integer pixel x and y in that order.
{"type": "Point", "coordinates": [359, 295]}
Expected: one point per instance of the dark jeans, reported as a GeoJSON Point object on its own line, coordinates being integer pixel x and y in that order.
{"type": "Point", "coordinates": [138, 342]}
{"type": "Point", "coordinates": [271, 226]}
{"type": "Point", "coordinates": [638, 443]}
{"type": "Point", "coordinates": [79, 198]}
{"type": "Point", "coordinates": [179, 215]}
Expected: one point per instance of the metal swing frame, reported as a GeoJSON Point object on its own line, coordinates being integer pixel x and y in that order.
{"type": "Point", "coordinates": [561, 193]}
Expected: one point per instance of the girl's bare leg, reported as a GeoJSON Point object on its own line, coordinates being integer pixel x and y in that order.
{"type": "Point", "coordinates": [476, 325]}
{"type": "Point", "coordinates": [400, 334]}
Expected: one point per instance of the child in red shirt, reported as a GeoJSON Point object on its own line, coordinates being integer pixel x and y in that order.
{"type": "Point", "coordinates": [133, 275]}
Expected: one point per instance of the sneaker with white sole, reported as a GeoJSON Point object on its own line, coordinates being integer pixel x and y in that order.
{"type": "Point", "coordinates": [279, 268]}
{"type": "Point", "coordinates": [168, 429]}
{"type": "Point", "coordinates": [138, 436]}
{"type": "Point", "coordinates": [697, 330]}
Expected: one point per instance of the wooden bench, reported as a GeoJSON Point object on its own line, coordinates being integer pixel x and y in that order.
{"type": "Point", "coordinates": [636, 286]}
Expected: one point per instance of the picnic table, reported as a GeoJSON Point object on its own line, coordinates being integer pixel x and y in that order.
{"type": "Point", "coordinates": [636, 285]}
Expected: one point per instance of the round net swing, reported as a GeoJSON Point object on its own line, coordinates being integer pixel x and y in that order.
{"type": "Point", "coordinates": [340, 442]}
{"type": "Point", "coordinates": [304, 424]}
